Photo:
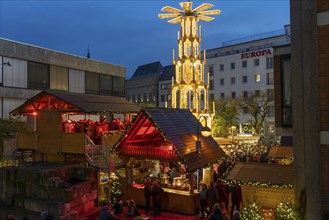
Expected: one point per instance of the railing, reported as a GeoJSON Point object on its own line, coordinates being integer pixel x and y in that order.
{"type": "Point", "coordinates": [154, 152]}
{"type": "Point", "coordinates": [97, 155]}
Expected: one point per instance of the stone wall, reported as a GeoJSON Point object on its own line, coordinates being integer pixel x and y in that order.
{"type": "Point", "coordinates": [66, 191]}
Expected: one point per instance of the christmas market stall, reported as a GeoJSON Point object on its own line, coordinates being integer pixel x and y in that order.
{"type": "Point", "coordinates": [283, 155]}
{"type": "Point", "coordinates": [74, 128]}
{"type": "Point", "coordinates": [268, 184]}
{"type": "Point", "coordinates": [162, 144]}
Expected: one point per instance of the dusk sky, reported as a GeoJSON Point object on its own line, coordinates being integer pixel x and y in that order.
{"type": "Point", "coordinates": [129, 33]}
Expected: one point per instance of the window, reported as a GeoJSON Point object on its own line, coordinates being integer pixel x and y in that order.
{"type": "Point", "coordinates": [145, 98]}
{"type": "Point", "coordinates": [211, 97]}
{"type": "Point", "coordinates": [118, 86]}
{"type": "Point", "coordinates": [257, 77]}
{"type": "Point", "coordinates": [59, 78]}
{"type": "Point", "coordinates": [269, 62]}
{"type": "Point", "coordinates": [221, 81]}
{"type": "Point", "coordinates": [232, 66]}
{"type": "Point", "coordinates": [244, 64]}
{"type": "Point", "coordinates": [244, 79]}
{"type": "Point", "coordinates": [211, 87]}
{"type": "Point", "coordinates": [37, 76]}
{"type": "Point", "coordinates": [245, 94]}
{"type": "Point", "coordinates": [222, 95]}
{"type": "Point", "coordinates": [92, 83]}
{"type": "Point", "coordinates": [211, 70]}
{"type": "Point", "coordinates": [232, 80]}
{"type": "Point", "coordinates": [221, 67]}
{"type": "Point", "coordinates": [257, 92]}
{"type": "Point", "coordinates": [139, 98]}
{"type": "Point", "coordinates": [270, 94]}
{"type": "Point", "coordinates": [133, 98]}
{"type": "Point", "coordinates": [106, 83]}
{"type": "Point", "coordinates": [163, 98]}
{"type": "Point", "coordinates": [269, 78]}
{"type": "Point", "coordinates": [256, 62]}
{"type": "Point", "coordinates": [233, 95]}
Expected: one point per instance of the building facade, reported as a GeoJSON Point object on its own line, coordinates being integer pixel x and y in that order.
{"type": "Point", "coordinates": [26, 70]}
{"type": "Point", "coordinates": [245, 66]}
{"type": "Point", "coordinates": [142, 87]}
{"type": "Point", "coordinates": [310, 105]}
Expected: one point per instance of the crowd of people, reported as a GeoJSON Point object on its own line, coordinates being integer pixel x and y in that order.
{"type": "Point", "coordinates": [214, 201]}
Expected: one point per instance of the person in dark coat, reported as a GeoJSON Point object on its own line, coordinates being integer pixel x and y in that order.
{"type": "Point", "coordinates": [157, 199]}
{"type": "Point", "coordinates": [217, 213]}
{"type": "Point", "coordinates": [106, 214]}
{"type": "Point", "coordinates": [236, 197]}
{"type": "Point", "coordinates": [212, 196]}
{"type": "Point", "coordinates": [147, 194]}
{"type": "Point", "coordinates": [203, 200]}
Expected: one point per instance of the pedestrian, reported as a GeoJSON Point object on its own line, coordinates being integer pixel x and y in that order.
{"type": "Point", "coordinates": [212, 196]}
{"type": "Point", "coordinates": [236, 216]}
{"type": "Point", "coordinates": [203, 200]}
{"type": "Point", "coordinates": [106, 213]}
{"type": "Point", "coordinates": [217, 213]}
{"type": "Point", "coordinates": [118, 208]}
{"type": "Point", "coordinates": [157, 198]}
{"type": "Point", "coordinates": [132, 208]}
{"type": "Point", "coordinates": [222, 196]}
{"type": "Point", "coordinates": [236, 198]}
{"type": "Point", "coordinates": [147, 194]}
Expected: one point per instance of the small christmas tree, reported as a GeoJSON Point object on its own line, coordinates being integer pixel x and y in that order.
{"type": "Point", "coordinates": [285, 211]}
{"type": "Point", "coordinates": [252, 212]}
{"type": "Point", "coordinates": [115, 188]}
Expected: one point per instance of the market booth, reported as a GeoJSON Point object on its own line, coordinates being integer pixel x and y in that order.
{"type": "Point", "coordinates": [161, 144]}
{"type": "Point", "coordinates": [268, 183]}
{"type": "Point", "coordinates": [74, 128]}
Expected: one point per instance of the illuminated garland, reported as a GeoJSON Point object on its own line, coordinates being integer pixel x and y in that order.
{"type": "Point", "coordinates": [259, 184]}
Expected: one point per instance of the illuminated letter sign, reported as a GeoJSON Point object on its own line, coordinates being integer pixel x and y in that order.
{"type": "Point", "coordinates": [256, 54]}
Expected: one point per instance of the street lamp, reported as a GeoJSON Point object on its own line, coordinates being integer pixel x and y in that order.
{"type": "Point", "coordinates": [232, 130]}
{"type": "Point", "coordinates": [205, 131]}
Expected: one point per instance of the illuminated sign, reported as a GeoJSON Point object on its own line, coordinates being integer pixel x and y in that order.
{"type": "Point", "coordinates": [256, 53]}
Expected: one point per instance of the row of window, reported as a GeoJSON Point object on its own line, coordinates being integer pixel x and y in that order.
{"type": "Point", "coordinates": [244, 64]}
{"type": "Point", "coordinates": [269, 94]}
{"type": "Point", "coordinates": [43, 76]}
{"type": "Point", "coordinates": [145, 97]}
{"type": "Point", "coordinates": [269, 80]}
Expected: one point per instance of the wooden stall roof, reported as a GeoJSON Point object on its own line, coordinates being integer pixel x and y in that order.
{"type": "Point", "coordinates": [154, 129]}
{"type": "Point", "coordinates": [281, 152]}
{"type": "Point", "coordinates": [262, 172]}
{"type": "Point", "coordinates": [68, 101]}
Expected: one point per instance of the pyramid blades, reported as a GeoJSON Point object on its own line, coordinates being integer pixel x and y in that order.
{"type": "Point", "coordinates": [203, 7]}
{"type": "Point", "coordinates": [187, 6]}
{"type": "Point", "coordinates": [163, 16]}
{"type": "Point", "coordinates": [171, 9]}
{"type": "Point", "coordinates": [210, 12]}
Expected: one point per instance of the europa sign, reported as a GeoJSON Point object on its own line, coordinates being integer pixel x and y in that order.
{"type": "Point", "coordinates": [256, 54]}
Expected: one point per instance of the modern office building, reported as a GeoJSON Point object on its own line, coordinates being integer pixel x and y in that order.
{"type": "Point", "coordinates": [26, 70]}
{"type": "Point", "coordinates": [245, 66]}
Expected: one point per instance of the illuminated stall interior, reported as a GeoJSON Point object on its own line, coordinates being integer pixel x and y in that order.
{"type": "Point", "coordinates": [159, 142]}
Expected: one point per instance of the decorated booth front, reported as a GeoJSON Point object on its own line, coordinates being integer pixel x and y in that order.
{"type": "Point", "coordinates": [161, 145]}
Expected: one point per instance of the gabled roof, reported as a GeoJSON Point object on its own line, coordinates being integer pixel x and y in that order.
{"type": "Point", "coordinates": [169, 130]}
{"type": "Point", "coordinates": [78, 102]}
{"type": "Point", "coordinates": [148, 70]}
{"type": "Point", "coordinates": [281, 152]}
{"type": "Point", "coordinates": [262, 174]}
{"type": "Point", "coordinates": [168, 73]}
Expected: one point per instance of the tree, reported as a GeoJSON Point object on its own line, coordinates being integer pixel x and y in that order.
{"type": "Point", "coordinates": [257, 105]}
{"type": "Point", "coordinates": [226, 115]}
{"type": "Point", "coordinates": [9, 127]}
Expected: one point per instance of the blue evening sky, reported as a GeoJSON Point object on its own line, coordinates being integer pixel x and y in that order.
{"type": "Point", "coordinates": [129, 33]}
